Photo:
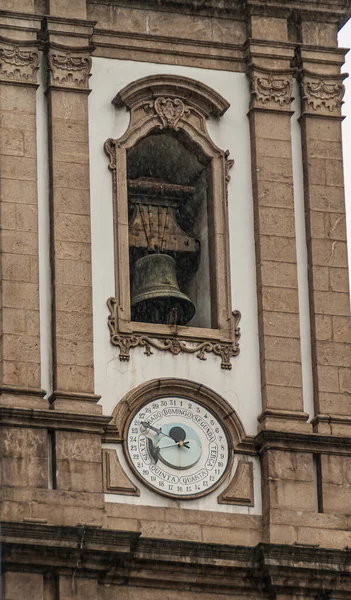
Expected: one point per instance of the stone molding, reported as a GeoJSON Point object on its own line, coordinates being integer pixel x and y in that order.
{"type": "Point", "coordinates": [169, 386]}
{"type": "Point", "coordinates": [270, 89]}
{"type": "Point", "coordinates": [264, 569]}
{"type": "Point", "coordinates": [240, 490]}
{"type": "Point", "coordinates": [322, 94]}
{"type": "Point", "coordinates": [53, 419]}
{"type": "Point", "coordinates": [115, 480]}
{"type": "Point", "coordinates": [153, 90]}
{"type": "Point", "coordinates": [19, 61]}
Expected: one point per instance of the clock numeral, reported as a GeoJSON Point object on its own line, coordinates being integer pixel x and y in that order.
{"type": "Point", "coordinates": [179, 488]}
{"type": "Point", "coordinates": [212, 478]}
{"type": "Point", "coordinates": [161, 484]}
{"type": "Point", "coordinates": [155, 405]}
{"type": "Point", "coordinates": [136, 456]}
{"type": "Point", "coordinates": [205, 483]}
{"type": "Point", "coordinates": [190, 405]}
{"type": "Point", "coordinates": [188, 488]}
{"type": "Point", "coordinates": [146, 473]}
{"type": "Point", "coordinates": [134, 430]}
{"type": "Point", "coordinates": [153, 478]}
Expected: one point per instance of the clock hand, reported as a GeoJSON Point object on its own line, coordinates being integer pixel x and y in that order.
{"type": "Point", "coordinates": [184, 444]}
{"type": "Point", "coordinates": [146, 425]}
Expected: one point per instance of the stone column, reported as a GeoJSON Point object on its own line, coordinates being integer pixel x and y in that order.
{"type": "Point", "coordinates": [19, 293]}
{"type": "Point", "coordinates": [322, 91]}
{"type": "Point", "coordinates": [69, 64]}
{"type": "Point", "coordinates": [278, 306]}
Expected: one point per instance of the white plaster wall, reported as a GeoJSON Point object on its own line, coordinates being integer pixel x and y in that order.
{"type": "Point", "coordinates": [240, 386]}
{"type": "Point", "coordinates": [149, 498]}
{"type": "Point", "coordinates": [44, 232]}
{"type": "Point", "coordinates": [301, 255]}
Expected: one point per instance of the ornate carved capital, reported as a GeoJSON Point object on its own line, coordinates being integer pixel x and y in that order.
{"type": "Point", "coordinates": [270, 89]}
{"type": "Point", "coordinates": [322, 94]}
{"type": "Point", "coordinates": [19, 61]}
{"type": "Point", "coordinates": [69, 67]}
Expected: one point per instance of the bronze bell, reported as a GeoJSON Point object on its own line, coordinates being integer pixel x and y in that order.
{"type": "Point", "coordinates": [156, 297]}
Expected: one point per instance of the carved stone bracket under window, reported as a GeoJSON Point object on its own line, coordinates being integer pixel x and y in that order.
{"type": "Point", "coordinates": [270, 89]}
{"type": "Point", "coordinates": [174, 345]}
{"type": "Point", "coordinates": [322, 94]}
{"type": "Point", "coordinates": [19, 61]}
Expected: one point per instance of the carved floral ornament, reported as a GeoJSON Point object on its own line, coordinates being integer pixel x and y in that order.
{"type": "Point", "coordinates": [69, 68]}
{"type": "Point", "coordinates": [18, 62]}
{"type": "Point", "coordinates": [271, 89]}
{"type": "Point", "coordinates": [322, 94]}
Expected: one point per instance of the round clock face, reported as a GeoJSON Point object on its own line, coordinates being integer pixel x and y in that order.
{"type": "Point", "coordinates": [178, 447]}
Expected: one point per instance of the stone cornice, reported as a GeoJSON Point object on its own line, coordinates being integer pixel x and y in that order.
{"type": "Point", "coordinates": [53, 419]}
{"type": "Point", "coordinates": [338, 11]}
{"type": "Point", "coordinates": [301, 442]}
{"type": "Point", "coordinates": [267, 568]}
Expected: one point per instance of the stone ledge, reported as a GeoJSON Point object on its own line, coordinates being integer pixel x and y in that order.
{"type": "Point", "coordinates": [125, 557]}
{"type": "Point", "coordinates": [301, 442]}
{"type": "Point", "coordinates": [53, 419]}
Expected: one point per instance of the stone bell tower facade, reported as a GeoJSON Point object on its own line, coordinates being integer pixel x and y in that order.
{"type": "Point", "coordinates": [175, 312]}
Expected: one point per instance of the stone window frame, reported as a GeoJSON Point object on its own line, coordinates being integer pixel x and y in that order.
{"type": "Point", "coordinates": [189, 105]}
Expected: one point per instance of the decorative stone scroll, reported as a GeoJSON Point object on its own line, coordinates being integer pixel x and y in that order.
{"type": "Point", "coordinates": [69, 67]}
{"type": "Point", "coordinates": [19, 61]}
{"type": "Point", "coordinates": [270, 89]}
{"type": "Point", "coordinates": [322, 94]}
{"type": "Point", "coordinates": [125, 342]}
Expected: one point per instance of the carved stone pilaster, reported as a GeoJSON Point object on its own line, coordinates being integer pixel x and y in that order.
{"type": "Point", "coordinates": [69, 67]}
{"type": "Point", "coordinates": [322, 94]}
{"type": "Point", "coordinates": [270, 89]}
{"type": "Point", "coordinates": [19, 61]}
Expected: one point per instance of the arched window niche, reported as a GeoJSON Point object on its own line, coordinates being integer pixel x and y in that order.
{"type": "Point", "coordinates": [171, 223]}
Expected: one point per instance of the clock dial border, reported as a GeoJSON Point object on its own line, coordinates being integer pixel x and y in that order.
{"type": "Point", "coordinates": [134, 470]}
